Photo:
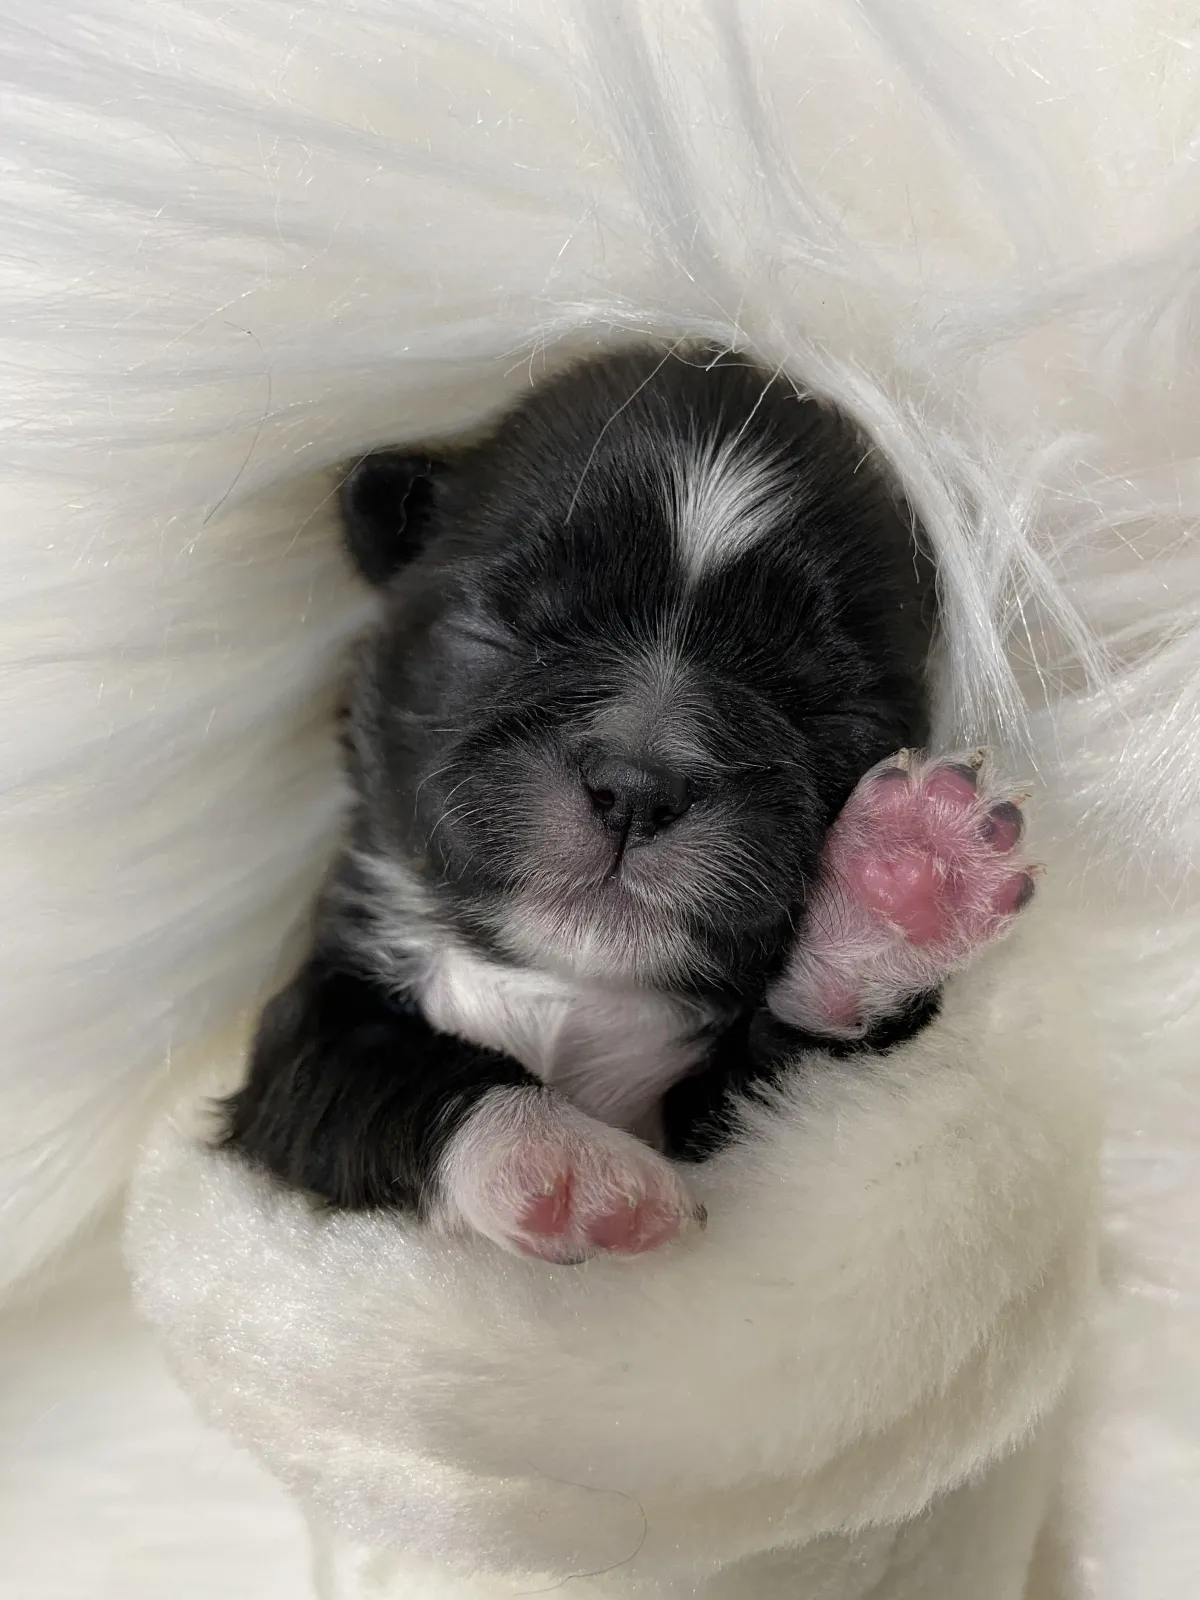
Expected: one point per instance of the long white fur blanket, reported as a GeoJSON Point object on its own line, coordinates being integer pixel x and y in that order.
{"type": "Point", "coordinates": [243, 241]}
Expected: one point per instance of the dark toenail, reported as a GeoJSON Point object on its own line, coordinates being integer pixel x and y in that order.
{"type": "Point", "coordinates": [1026, 894]}
{"type": "Point", "coordinates": [701, 1217]}
{"type": "Point", "coordinates": [1005, 813]}
{"type": "Point", "coordinates": [967, 774]}
{"type": "Point", "coordinates": [892, 775]}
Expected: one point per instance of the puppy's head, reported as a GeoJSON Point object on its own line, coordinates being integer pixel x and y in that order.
{"type": "Point", "coordinates": [638, 646]}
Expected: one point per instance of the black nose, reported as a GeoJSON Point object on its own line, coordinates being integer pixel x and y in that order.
{"type": "Point", "coordinates": [635, 800]}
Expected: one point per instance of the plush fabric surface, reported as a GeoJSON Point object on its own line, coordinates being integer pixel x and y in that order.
{"type": "Point", "coordinates": [886, 1303]}
{"type": "Point", "coordinates": [243, 242]}
{"type": "Point", "coordinates": [110, 1486]}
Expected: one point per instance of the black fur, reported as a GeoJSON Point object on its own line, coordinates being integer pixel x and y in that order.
{"type": "Point", "coordinates": [534, 590]}
{"type": "Point", "coordinates": [699, 1113]}
{"type": "Point", "coordinates": [385, 500]}
{"type": "Point", "coordinates": [354, 1094]}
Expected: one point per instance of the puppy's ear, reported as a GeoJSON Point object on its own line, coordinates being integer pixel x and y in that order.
{"type": "Point", "coordinates": [387, 510]}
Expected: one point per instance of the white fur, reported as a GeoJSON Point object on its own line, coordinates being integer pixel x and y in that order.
{"type": "Point", "coordinates": [518, 1145]}
{"type": "Point", "coordinates": [611, 1047]}
{"type": "Point", "coordinates": [726, 499]}
{"type": "Point", "coordinates": [110, 1485]}
{"type": "Point", "coordinates": [611, 1050]}
{"type": "Point", "coordinates": [245, 242]}
{"type": "Point", "coordinates": [630, 948]}
{"type": "Point", "coordinates": [834, 1352]}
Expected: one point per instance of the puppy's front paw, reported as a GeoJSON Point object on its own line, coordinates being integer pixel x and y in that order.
{"type": "Point", "coordinates": [540, 1178]}
{"type": "Point", "coordinates": [922, 867]}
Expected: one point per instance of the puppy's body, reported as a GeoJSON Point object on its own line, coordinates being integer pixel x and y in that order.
{"type": "Point", "coordinates": [850, 1385]}
{"type": "Point", "coordinates": [638, 648]}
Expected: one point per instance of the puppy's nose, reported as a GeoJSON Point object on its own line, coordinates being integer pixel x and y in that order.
{"type": "Point", "coordinates": [635, 799]}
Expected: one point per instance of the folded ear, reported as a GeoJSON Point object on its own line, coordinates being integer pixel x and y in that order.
{"type": "Point", "coordinates": [387, 502]}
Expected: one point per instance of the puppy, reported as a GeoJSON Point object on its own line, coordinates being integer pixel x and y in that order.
{"type": "Point", "coordinates": [628, 826]}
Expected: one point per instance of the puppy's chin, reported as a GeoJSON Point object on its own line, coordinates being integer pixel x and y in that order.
{"type": "Point", "coordinates": [670, 913]}
{"type": "Point", "coordinates": [606, 934]}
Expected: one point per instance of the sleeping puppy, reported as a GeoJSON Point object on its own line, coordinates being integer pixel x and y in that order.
{"type": "Point", "coordinates": [628, 822]}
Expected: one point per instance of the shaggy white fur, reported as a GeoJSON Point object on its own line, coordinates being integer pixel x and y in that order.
{"type": "Point", "coordinates": [243, 241]}
{"type": "Point", "coordinates": [886, 1302]}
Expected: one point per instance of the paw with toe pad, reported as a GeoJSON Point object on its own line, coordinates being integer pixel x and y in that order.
{"type": "Point", "coordinates": [540, 1178]}
{"type": "Point", "coordinates": [922, 867]}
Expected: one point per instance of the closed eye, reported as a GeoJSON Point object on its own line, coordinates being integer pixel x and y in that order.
{"type": "Point", "coordinates": [484, 638]}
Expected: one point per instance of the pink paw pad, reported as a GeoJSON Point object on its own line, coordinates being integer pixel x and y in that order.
{"type": "Point", "coordinates": [542, 1179]}
{"type": "Point", "coordinates": [922, 867]}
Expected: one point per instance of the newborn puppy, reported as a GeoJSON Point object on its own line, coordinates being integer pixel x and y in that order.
{"type": "Point", "coordinates": [637, 650]}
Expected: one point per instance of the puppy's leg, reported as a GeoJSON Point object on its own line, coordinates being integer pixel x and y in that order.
{"type": "Point", "coordinates": [922, 868]}
{"type": "Point", "coordinates": [539, 1177]}
{"type": "Point", "coordinates": [354, 1097]}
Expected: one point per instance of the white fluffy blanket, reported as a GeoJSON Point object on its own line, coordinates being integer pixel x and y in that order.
{"type": "Point", "coordinates": [886, 1302]}
{"type": "Point", "coordinates": [241, 242]}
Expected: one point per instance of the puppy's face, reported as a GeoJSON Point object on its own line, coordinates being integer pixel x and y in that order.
{"type": "Point", "coordinates": [638, 647]}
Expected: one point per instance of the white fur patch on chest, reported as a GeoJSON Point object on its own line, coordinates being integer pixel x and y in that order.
{"type": "Point", "coordinates": [612, 1052]}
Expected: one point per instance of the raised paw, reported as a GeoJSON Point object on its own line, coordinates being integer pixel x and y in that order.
{"type": "Point", "coordinates": [923, 866]}
{"type": "Point", "coordinates": [538, 1177]}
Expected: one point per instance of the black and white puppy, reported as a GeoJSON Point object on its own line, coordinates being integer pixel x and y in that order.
{"type": "Point", "coordinates": [638, 648]}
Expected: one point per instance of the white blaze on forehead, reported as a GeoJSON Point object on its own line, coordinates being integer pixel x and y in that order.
{"type": "Point", "coordinates": [726, 497]}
